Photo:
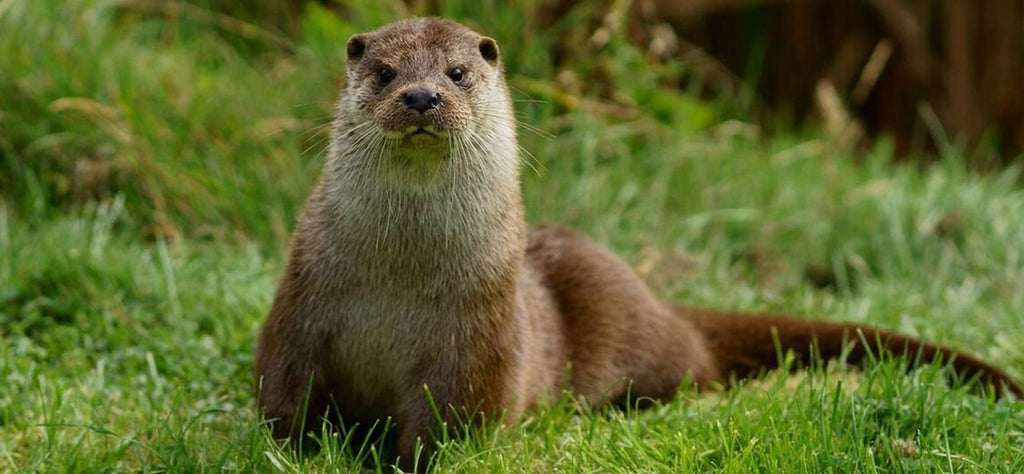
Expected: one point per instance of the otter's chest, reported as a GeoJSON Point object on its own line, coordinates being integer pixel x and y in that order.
{"type": "Point", "coordinates": [379, 339]}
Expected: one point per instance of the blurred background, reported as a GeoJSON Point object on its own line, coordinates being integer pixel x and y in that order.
{"type": "Point", "coordinates": [185, 106]}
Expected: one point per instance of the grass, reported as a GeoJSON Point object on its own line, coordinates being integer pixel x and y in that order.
{"type": "Point", "coordinates": [146, 199]}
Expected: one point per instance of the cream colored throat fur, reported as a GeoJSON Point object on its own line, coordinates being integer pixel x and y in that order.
{"type": "Point", "coordinates": [411, 268]}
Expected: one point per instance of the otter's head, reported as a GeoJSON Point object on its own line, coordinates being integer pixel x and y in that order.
{"type": "Point", "coordinates": [423, 92]}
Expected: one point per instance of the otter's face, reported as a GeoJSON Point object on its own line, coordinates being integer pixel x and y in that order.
{"type": "Point", "coordinates": [423, 83]}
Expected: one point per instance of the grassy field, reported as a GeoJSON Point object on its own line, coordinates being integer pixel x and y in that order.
{"type": "Point", "coordinates": [154, 155]}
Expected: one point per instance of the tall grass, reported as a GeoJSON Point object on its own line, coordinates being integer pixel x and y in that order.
{"type": "Point", "coordinates": [102, 100]}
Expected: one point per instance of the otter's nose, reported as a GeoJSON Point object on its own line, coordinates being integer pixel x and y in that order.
{"type": "Point", "coordinates": [421, 99]}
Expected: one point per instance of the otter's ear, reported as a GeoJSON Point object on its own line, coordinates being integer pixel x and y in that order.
{"type": "Point", "coordinates": [356, 47]}
{"type": "Point", "coordinates": [489, 50]}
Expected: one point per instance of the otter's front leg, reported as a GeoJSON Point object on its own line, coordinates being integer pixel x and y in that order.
{"type": "Point", "coordinates": [424, 420]}
{"type": "Point", "coordinates": [290, 383]}
{"type": "Point", "coordinates": [437, 409]}
{"type": "Point", "coordinates": [292, 403]}
{"type": "Point", "coordinates": [416, 428]}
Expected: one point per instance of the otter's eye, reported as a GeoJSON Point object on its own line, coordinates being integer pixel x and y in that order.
{"type": "Point", "coordinates": [385, 75]}
{"type": "Point", "coordinates": [456, 74]}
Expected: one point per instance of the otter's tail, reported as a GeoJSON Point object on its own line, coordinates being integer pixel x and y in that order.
{"type": "Point", "coordinates": [744, 344]}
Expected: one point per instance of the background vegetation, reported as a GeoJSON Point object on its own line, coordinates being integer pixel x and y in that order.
{"type": "Point", "coordinates": [154, 155]}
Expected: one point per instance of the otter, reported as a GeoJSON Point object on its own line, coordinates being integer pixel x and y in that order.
{"type": "Point", "coordinates": [415, 290]}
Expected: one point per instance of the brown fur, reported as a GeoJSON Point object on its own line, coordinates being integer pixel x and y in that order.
{"type": "Point", "coordinates": [412, 269]}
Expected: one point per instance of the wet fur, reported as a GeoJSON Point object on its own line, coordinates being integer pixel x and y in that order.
{"type": "Point", "coordinates": [412, 268]}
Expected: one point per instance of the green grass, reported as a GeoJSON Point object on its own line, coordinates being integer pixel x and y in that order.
{"type": "Point", "coordinates": [146, 199]}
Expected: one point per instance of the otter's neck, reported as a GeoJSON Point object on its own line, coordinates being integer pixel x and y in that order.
{"type": "Point", "coordinates": [460, 229]}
